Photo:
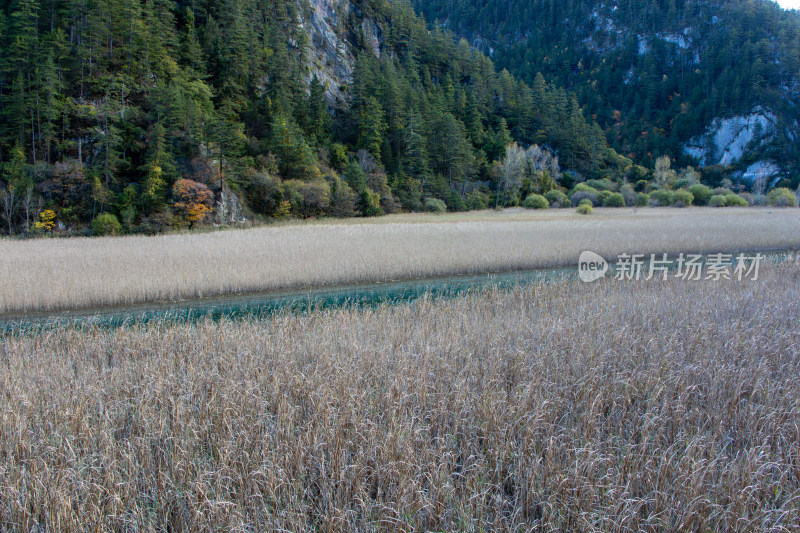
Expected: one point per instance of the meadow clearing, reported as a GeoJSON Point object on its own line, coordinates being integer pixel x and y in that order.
{"type": "Point", "coordinates": [59, 274]}
{"type": "Point", "coordinates": [616, 407]}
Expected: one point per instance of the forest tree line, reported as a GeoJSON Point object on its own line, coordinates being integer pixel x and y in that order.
{"type": "Point", "coordinates": [149, 110]}
{"type": "Point", "coordinates": [652, 73]}
{"type": "Point", "coordinates": [144, 115]}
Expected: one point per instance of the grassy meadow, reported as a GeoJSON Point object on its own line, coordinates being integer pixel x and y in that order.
{"type": "Point", "coordinates": [45, 274]}
{"type": "Point", "coordinates": [616, 406]}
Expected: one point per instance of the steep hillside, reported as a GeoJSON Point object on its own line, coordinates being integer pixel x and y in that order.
{"type": "Point", "coordinates": [712, 81]}
{"type": "Point", "coordinates": [165, 114]}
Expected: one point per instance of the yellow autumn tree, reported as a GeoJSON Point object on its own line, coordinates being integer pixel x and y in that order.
{"type": "Point", "coordinates": [46, 222]}
{"type": "Point", "coordinates": [193, 200]}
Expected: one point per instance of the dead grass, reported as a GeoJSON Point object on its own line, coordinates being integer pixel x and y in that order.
{"type": "Point", "coordinates": [662, 406]}
{"type": "Point", "coordinates": [50, 274]}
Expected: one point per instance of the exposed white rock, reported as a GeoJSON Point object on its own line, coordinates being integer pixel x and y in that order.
{"type": "Point", "coordinates": [726, 140]}
{"type": "Point", "coordinates": [330, 58]}
{"type": "Point", "coordinates": [682, 40]}
{"type": "Point", "coordinates": [602, 23]}
{"type": "Point", "coordinates": [229, 209]}
{"type": "Point", "coordinates": [762, 170]}
{"type": "Point", "coordinates": [374, 35]}
{"type": "Point", "coordinates": [644, 46]}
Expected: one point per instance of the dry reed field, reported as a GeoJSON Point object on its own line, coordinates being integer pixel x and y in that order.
{"type": "Point", "coordinates": [47, 274]}
{"type": "Point", "coordinates": [618, 406]}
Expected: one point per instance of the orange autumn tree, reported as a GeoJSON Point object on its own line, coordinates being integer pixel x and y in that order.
{"type": "Point", "coordinates": [192, 200]}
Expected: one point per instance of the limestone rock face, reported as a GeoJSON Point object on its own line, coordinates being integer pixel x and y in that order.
{"type": "Point", "coordinates": [329, 56]}
{"type": "Point", "coordinates": [330, 51]}
{"type": "Point", "coordinates": [725, 141]}
{"type": "Point", "coordinates": [740, 141]}
{"type": "Point", "coordinates": [229, 209]}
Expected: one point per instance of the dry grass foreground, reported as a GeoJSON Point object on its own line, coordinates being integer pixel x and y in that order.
{"type": "Point", "coordinates": [620, 406]}
{"type": "Point", "coordinates": [71, 273]}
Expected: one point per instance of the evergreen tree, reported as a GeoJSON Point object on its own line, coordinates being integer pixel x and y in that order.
{"type": "Point", "coordinates": [372, 127]}
{"type": "Point", "coordinates": [159, 170]}
{"type": "Point", "coordinates": [295, 158]}
{"type": "Point", "coordinates": [191, 53]}
{"type": "Point", "coordinates": [317, 120]}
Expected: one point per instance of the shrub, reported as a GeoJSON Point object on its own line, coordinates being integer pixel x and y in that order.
{"type": "Point", "coordinates": [157, 222]}
{"type": "Point", "coordinates": [614, 200]}
{"type": "Point", "coordinates": [664, 198]}
{"type": "Point", "coordinates": [683, 197]}
{"type": "Point", "coordinates": [728, 200]}
{"type": "Point", "coordinates": [106, 224]}
{"type": "Point", "coordinates": [642, 199]}
{"type": "Point", "coordinates": [721, 191]}
{"type": "Point", "coordinates": [455, 202]}
{"type": "Point", "coordinates": [434, 205]}
{"type": "Point", "coordinates": [580, 196]}
{"type": "Point", "coordinates": [308, 198]}
{"type": "Point", "coordinates": [536, 201]}
{"type": "Point", "coordinates": [749, 198]}
{"type": "Point", "coordinates": [782, 197]}
{"type": "Point", "coordinates": [602, 196]}
{"type": "Point", "coordinates": [477, 201]}
{"type": "Point", "coordinates": [628, 194]}
{"type": "Point", "coordinates": [734, 200]}
{"type": "Point", "coordinates": [604, 184]}
{"type": "Point", "coordinates": [262, 191]}
{"type": "Point", "coordinates": [338, 156]}
{"type": "Point", "coordinates": [718, 200]}
{"type": "Point", "coordinates": [283, 210]}
{"type": "Point", "coordinates": [408, 191]}
{"type": "Point", "coordinates": [585, 209]}
{"type": "Point", "coordinates": [582, 187]}
{"type": "Point", "coordinates": [343, 199]}
{"type": "Point", "coordinates": [557, 198]}
{"type": "Point", "coordinates": [702, 194]}
{"type": "Point", "coordinates": [128, 215]}
{"type": "Point", "coordinates": [369, 203]}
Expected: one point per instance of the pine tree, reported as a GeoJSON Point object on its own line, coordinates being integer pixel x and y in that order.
{"type": "Point", "coordinates": [51, 104]}
{"type": "Point", "coordinates": [24, 35]}
{"type": "Point", "coordinates": [450, 150]}
{"type": "Point", "coordinates": [159, 171]}
{"type": "Point", "coordinates": [372, 127]}
{"type": "Point", "coordinates": [191, 53]}
{"type": "Point", "coordinates": [317, 120]}
{"type": "Point", "coordinates": [226, 134]}
{"type": "Point", "coordinates": [415, 155]}
{"type": "Point", "coordinates": [295, 158]}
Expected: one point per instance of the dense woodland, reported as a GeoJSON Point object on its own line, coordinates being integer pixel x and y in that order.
{"type": "Point", "coordinates": [704, 59]}
{"type": "Point", "coordinates": [146, 115]}
{"type": "Point", "coordinates": [152, 110]}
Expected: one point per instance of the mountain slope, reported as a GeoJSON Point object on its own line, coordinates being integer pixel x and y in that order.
{"type": "Point", "coordinates": [657, 75]}
{"type": "Point", "coordinates": [289, 107]}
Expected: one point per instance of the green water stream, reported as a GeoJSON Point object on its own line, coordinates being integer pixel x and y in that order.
{"type": "Point", "coordinates": [257, 305]}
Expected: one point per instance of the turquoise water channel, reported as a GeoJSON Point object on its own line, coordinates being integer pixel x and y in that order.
{"type": "Point", "coordinates": [260, 305]}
